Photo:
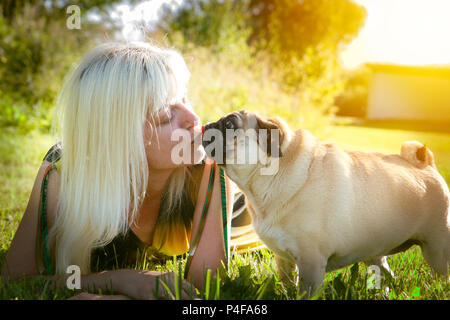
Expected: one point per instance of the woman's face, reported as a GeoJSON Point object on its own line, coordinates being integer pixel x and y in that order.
{"type": "Point", "coordinates": [164, 147]}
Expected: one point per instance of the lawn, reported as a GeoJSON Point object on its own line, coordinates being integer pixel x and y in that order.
{"type": "Point", "coordinates": [251, 275]}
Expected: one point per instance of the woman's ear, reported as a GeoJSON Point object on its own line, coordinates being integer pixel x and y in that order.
{"type": "Point", "coordinates": [272, 124]}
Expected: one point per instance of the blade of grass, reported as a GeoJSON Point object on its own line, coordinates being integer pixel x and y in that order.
{"type": "Point", "coordinates": [168, 292]}
{"type": "Point", "coordinates": [177, 280]}
{"type": "Point", "coordinates": [207, 284]}
{"type": "Point", "coordinates": [262, 289]}
{"type": "Point", "coordinates": [217, 294]}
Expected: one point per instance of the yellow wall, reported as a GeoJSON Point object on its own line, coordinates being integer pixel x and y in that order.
{"type": "Point", "coordinates": [398, 96]}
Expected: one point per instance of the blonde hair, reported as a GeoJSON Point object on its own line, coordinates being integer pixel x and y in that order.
{"type": "Point", "coordinates": [101, 115]}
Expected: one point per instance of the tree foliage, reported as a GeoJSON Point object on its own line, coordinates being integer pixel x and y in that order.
{"type": "Point", "coordinates": [36, 51]}
{"type": "Point", "coordinates": [286, 27]}
{"type": "Point", "coordinates": [299, 42]}
{"type": "Point", "coordinates": [216, 24]}
{"type": "Point", "coordinates": [291, 27]}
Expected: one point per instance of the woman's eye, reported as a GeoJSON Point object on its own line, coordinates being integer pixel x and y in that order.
{"type": "Point", "coordinates": [229, 124]}
{"type": "Point", "coordinates": [169, 115]}
{"type": "Point", "coordinates": [165, 116]}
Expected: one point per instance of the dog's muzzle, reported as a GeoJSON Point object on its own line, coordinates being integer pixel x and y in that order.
{"type": "Point", "coordinates": [206, 142]}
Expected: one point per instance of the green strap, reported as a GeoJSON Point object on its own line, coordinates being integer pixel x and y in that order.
{"type": "Point", "coordinates": [223, 192]}
{"type": "Point", "coordinates": [201, 224]}
{"type": "Point", "coordinates": [42, 251]}
{"type": "Point", "coordinates": [203, 217]}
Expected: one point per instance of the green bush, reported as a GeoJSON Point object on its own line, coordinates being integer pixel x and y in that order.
{"type": "Point", "coordinates": [353, 99]}
{"type": "Point", "coordinates": [36, 51]}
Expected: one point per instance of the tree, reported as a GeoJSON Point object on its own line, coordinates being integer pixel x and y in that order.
{"type": "Point", "coordinates": [36, 51]}
{"type": "Point", "coordinates": [217, 24]}
{"type": "Point", "coordinates": [304, 35]}
{"type": "Point", "coordinates": [290, 27]}
{"type": "Point", "coordinates": [304, 39]}
{"type": "Point", "coordinates": [293, 51]}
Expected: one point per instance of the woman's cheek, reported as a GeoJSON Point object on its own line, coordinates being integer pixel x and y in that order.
{"type": "Point", "coordinates": [183, 151]}
{"type": "Point", "coordinates": [166, 150]}
{"type": "Point", "coordinates": [174, 149]}
{"type": "Point", "coordinates": [159, 148]}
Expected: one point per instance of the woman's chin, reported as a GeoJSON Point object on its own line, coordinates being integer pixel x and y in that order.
{"type": "Point", "coordinates": [199, 155]}
{"type": "Point", "coordinates": [196, 156]}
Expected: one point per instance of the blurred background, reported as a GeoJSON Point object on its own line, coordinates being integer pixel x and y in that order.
{"type": "Point", "coordinates": [365, 74]}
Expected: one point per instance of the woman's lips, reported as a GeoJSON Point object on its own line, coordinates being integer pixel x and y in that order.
{"type": "Point", "coordinates": [197, 134]}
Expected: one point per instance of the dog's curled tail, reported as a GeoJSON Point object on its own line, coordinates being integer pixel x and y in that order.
{"type": "Point", "coordinates": [417, 154]}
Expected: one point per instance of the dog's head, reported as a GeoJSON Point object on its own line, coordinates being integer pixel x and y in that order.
{"type": "Point", "coordinates": [244, 140]}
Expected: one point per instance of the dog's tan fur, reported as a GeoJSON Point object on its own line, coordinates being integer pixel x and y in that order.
{"type": "Point", "coordinates": [327, 208]}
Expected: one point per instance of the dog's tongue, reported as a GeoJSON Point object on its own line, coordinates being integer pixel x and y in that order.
{"type": "Point", "coordinates": [203, 129]}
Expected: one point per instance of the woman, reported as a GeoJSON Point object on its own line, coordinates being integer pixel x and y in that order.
{"type": "Point", "coordinates": [112, 189]}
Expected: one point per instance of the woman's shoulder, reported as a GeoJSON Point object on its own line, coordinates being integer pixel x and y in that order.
{"type": "Point", "coordinates": [194, 176]}
{"type": "Point", "coordinates": [54, 153]}
{"type": "Point", "coordinates": [51, 192]}
{"type": "Point", "coordinates": [197, 170]}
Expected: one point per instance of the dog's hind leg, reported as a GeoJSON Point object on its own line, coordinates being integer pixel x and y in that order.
{"type": "Point", "coordinates": [436, 245]}
{"type": "Point", "coordinates": [447, 255]}
{"type": "Point", "coordinates": [436, 252]}
{"type": "Point", "coordinates": [381, 262]}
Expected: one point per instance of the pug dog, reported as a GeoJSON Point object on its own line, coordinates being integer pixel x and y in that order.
{"type": "Point", "coordinates": [325, 208]}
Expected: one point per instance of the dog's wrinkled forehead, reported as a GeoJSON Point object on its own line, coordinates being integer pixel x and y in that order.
{"type": "Point", "coordinates": [242, 119]}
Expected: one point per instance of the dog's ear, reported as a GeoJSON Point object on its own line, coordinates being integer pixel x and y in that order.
{"type": "Point", "coordinates": [271, 124]}
{"type": "Point", "coordinates": [421, 154]}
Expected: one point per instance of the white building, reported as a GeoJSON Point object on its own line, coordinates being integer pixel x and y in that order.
{"type": "Point", "coordinates": [410, 93]}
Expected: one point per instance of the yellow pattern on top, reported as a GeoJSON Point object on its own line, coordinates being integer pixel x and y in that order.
{"type": "Point", "coordinates": [172, 239]}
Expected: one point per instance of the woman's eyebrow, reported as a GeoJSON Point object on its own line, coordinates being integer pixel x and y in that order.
{"type": "Point", "coordinates": [165, 112]}
{"type": "Point", "coordinates": [162, 116]}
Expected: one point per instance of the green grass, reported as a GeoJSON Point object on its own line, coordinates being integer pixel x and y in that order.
{"type": "Point", "coordinates": [251, 275]}
{"type": "Point", "coordinates": [20, 157]}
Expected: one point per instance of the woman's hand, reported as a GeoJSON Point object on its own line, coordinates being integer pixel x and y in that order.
{"type": "Point", "coordinates": [142, 284]}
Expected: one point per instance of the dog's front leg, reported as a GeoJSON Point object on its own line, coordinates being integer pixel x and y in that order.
{"type": "Point", "coordinates": [380, 262]}
{"type": "Point", "coordinates": [311, 274]}
{"type": "Point", "coordinates": [285, 270]}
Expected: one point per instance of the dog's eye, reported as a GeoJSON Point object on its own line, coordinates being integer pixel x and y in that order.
{"type": "Point", "coordinates": [229, 124]}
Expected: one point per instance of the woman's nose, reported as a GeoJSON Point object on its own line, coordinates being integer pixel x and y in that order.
{"type": "Point", "coordinates": [190, 118]}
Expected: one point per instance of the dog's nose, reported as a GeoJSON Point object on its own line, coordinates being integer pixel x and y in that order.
{"type": "Point", "coordinates": [206, 127]}
{"type": "Point", "coordinates": [211, 125]}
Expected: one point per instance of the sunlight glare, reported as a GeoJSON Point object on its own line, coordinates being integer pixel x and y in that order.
{"type": "Point", "coordinates": [408, 32]}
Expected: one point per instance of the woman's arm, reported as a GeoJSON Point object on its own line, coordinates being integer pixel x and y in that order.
{"type": "Point", "coordinates": [21, 263]}
{"type": "Point", "coordinates": [210, 251]}
{"type": "Point", "coordinates": [21, 257]}
{"type": "Point", "coordinates": [122, 284]}
{"type": "Point", "coordinates": [20, 260]}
